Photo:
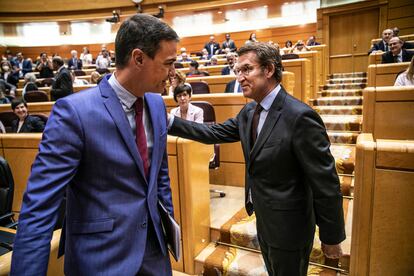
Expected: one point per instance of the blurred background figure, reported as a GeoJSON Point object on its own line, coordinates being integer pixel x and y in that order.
{"type": "Point", "coordinates": [29, 83]}
{"type": "Point", "coordinates": [312, 41]}
{"type": "Point", "coordinates": [406, 78]}
{"type": "Point", "coordinates": [44, 67]}
{"type": "Point", "coordinates": [252, 39]}
{"type": "Point", "coordinates": [177, 79]}
{"type": "Point", "coordinates": [86, 57]}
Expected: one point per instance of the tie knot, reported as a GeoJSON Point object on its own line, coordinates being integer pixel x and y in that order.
{"type": "Point", "coordinates": [258, 109]}
{"type": "Point", "coordinates": [139, 105]}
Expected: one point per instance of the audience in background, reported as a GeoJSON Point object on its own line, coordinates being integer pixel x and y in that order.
{"type": "Point", "coordinates": [312, 41]}
{"type": "Point", "coordinates": [229, 43]}
{"type": "Point", "coordinates": [62, 86]}
{"type": "Point", "coordinates": [182, 51]}
{"type": "Point", "coordinates": [383, 46]}
{"type": "Point", "coordinates": [177, 79]}
{"type": "Point", "coordinates": [77, 81]}
{"type": "Point", "coordinates": [185, 58]}
{"type": "Point", "coordinates": [194, 72]}
{"type": "Point", "coordinates": [231, 61]}
{"type": "Point", "coordinates": [395, 31]}
{"type": "Point", "coordinates": [233, 87]}
{"type": "Point", "coordinates": [3, 98]}
{"type": "Point", "coordinates": [406, 78]}
{"type": "Point", "coordinates": [103, 61]}
{"type": "Point", "coordinates": [74, 63]}
{"type": "Point", "coordinates": [213, 61]}
{"type": "Point", "coordinates": [2, 128]}
{"type": "Point", "coordinates": [287, 48]}
{"type": "Point", "coordinates": [29, 83]}
{"type": "Point", "coordinates": [299, 47]}
{"type": "Point", "coordinates": [44, 67]}
{"type": "Point", "coordinates": [185, 110]}
{"type": "Point", "coordinates": [25, 122]}
{"type": "Point", "coordinates": [396, 53]}
{"type": "Point", "coordinates": [7, 74]}
{"type": "Point", "coordinates": [252, 39]}
{"type": "Point", "coordinates": [9, 56]}
{"type": "Point", "coordinates": [212, 46]}
{"type": "Point", "coordinates": [95, 76]}
{"type": "Point", "coordinates": [22, 66]}
{"type": "Point", "coordinates": [204, 55]}
{"type": "Point", "coordinates": [86, 57]}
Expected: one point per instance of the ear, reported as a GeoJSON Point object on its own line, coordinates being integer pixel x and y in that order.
{"type": "Point", "coordinates": [137, 57]}
{"type": "Point", "coordinates": [269, 71]}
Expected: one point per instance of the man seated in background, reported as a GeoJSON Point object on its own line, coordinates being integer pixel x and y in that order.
{"type": "Point", "coordinates": [194, 72]}
{"type": "Point", "coordinates": [212, 46]}
{"type": "Point", "coordinates": [229, 43]}
{"type": "Point", "coordinates": [204, 54]}
{"type": "Point", "coordinates": [185, 58]}
{"type": "Point", "coordinates": [213, 61]}
{"type": "Point", "coordinates": [74, 63]}
{"type": "Point", "coordinates": [22, 65]}
{"type": "Point", "coordinates": [62, 86]}
{"type": "Point", "coordinates": [29, 83]}
{"type": "Point", "coordinates": [299, 47]}
{"type": "Point", "coordinates": [25, 122]}
{"type": "Point", "coordinates": [182, 51]}
{"type": "Point", "coordinates": [312, 41]}
{"type": "Point", "coordinates": [233, 87]}
{"type": "Point", "coordinates": [383, 46]}
{"type": "Point", "coordinates": [44, 67]}
{"type": "Point", "coordinates": [229, 69]}
{"type": "Point", "coordinates": [396, 53]}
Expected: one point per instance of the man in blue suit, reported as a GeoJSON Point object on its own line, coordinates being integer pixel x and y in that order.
{"type": "Point", "coordinates": [106, 148]}
{"type": "Point", "coordinates": [22, 66]}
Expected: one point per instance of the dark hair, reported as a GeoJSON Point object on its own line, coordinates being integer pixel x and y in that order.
{"type": "Point", "coordinates": [43, 53]}
{"type": "Point", "coordinates": [16, 102]}
{"type": "Point", "coordinates": [251, 34]}
{"type": "Point", "coordinates": [144, 32]}
{"type": "Point", "coordinates": [288, 42]}
{"type": "Point", "coordinates": [194, 64]}
{"type": "Point", "coordinates": [58, 60]}
{"type": "Point", "coordinates": [267, 55]}
{"type": "Point", "coordinates": [180, 89]}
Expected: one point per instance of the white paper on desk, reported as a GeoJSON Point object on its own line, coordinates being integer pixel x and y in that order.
{"type": "Point", "coordinates": [172, 232]}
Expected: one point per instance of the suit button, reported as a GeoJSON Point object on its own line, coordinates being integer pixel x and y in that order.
{"type": "Point", "coordinates": [144, 224]}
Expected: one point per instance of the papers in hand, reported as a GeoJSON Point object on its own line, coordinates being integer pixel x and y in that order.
{"type": "Point", "coordinates": [172, 232]}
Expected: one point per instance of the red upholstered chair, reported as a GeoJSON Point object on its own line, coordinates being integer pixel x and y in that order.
{"type": "Point", "coordinates": [36, 96]}
{"type": "Point", "coordinates": [7, 118]}
{"type": "Point", "coordinates": [200, 87]}
{"type": "Point", "coordinates": [210, 119]}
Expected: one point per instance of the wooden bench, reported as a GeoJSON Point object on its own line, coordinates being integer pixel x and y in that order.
{"type": "Point", "coordinates": [220, 61]}
{"type": "Point", "coordinates": [212, 70]}
{"type": "Point", "coordinates": [384, 74]}
{"type": "Point", "coordinates": [382, 235]}
{"type": "Point", "coordinates": [190, 187]}
{"type": "Point", "coordinates": [376, 58]}
{"type": "Point", "coordinates": [388, 112]}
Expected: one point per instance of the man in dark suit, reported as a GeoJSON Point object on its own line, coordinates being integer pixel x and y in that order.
{"type": "Point", "coordinates": [396, 53]}
{"type": "Point", "coordinates": [231, 60]}
{"type": "Point", "coordinates": [383, 46]}
{"type": "Point", "coordinates": [25, 123]}
{"type": "Point", "coordinates": [22, 65]}
{"type": "Point", "coordinates": [233, 87]}
{"type": "Point", "coordinates": [212, 46]}
{"type": "Point", "coordinates": [229, 43]}
{"type": "Point", "coordinates": [63, 85]}
{"type": "Point", "coordinates": [291, 180]}
{"type": "Point", "coordinates": [106, 148]}
{"type": "Point", "coordinates": [74, 63]}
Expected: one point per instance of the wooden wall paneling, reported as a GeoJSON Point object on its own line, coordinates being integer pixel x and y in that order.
{"type": "Point", "coordinates": [400, 14]}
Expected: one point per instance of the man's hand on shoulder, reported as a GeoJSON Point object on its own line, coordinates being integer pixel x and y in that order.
{"type": "Point", "coordinates": [332, 251]}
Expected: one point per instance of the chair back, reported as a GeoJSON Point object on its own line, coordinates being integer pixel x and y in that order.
{"type": "Point", "coordinates": [103, 71]}
{"type": "Point", "coordinates": [6, 187]}
{"type": "Point", "coordinates": [36, 96]}
{"type": "Point", "coordinates": [200, 87]}
{"type": "Point", "coordinates": [7, 117]}
{"type": "Point", "coordinates": [290, 56]}
{"type": "Point", "coordinates": [41, 116]}
{"type": "Point", "coordinates": [79, 73]}
{"type": "Point", "coordinates": [178, 65]}
{"type": "Point", "coordinates": [210, 119]}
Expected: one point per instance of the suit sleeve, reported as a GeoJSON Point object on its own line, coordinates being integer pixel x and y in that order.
{"type": "Point", "coordinates": [37, 124]}
{"type": "Point", "coordinates": [311, 146]}
{"type": "Point", "coordinates": [54, 167]}
{"type": "Point", "coordinates": [65, 86]}
{"type": "Point", "coordinates": [226, 132]}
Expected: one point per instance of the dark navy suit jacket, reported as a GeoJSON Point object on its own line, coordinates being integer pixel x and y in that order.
{"type": "Point", "coordinates": [88, 151]}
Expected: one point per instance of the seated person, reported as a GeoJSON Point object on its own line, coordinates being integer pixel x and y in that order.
{"type": "Point", "coordinates": [74, 63]}
{"type": "Point", "coordinates": [185, 58]}
{"type": "Point", "coordinates": [177, 79]}
{"type": "Point", "coordinates": [29, 83]}
{"type": "Point", "coordinates": [7, 74]}
{"type": "Point", "coordinates": [287, 48]}
{"type": "Point", "coordinates": [213, 61]}
{"type": "Point", "coordinates": [204, 54]}
{"type": "Point", "coordinates": [185, 110]}
{"type": "Point", "coordinates": [231, 61]}
{"type": "Point", "coordinates": [383, 45]}
{"type": "Point", "coordinates": [299, 47]}
{"type": "Point", "coordinates": [103, 61]}
{"type": "Point", "coordinates": [77, 81]}
{"type": "Point", "coordinates": [3, 98]}
{"type": "Point", "coordinates": [25, 123]}
{"type": "Point", "coordinates": [312, 41]}
{"type": "Point", "coordinates": [406, 78]}
{"type": "Point", "coordinates": [233, 87]}
{"type": "Point", "coordinates": [194, 72]}
{"type": "Point", "coordinates": [86, 57]}
{"type": "Point", "coordinates": [44, 67]}
{"type": "Point", "coordinates": [252, 39]}
{"type": "Point", "coordinates": [396, 53]}
{"type": "Point", "coordinates": [95, 76]}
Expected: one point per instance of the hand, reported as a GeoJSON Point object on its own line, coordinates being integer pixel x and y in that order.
{"type": "Point", "coordinates": [332, 251]}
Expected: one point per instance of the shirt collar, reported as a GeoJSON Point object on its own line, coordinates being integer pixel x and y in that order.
{"type": "Point", "coordinates": [126, 97]}
{"type": "Point", "coordinates": [60, 68]}
{"type": "Point", "coordinates": [266, 103]}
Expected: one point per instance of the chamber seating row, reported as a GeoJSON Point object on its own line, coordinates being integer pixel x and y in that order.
{"type": "Point", "coordinates": [384, 74]}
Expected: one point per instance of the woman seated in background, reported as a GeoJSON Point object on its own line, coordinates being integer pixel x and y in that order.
{"type": "Point", "coordinates": [194, 72]}
{"type": "Point", "coordinates": [25, 122]}
{"type": "Point", "coordinates": [185, 110]}
{"type": "Point", "coordinates": [176, 80]}
{"type": "Point", "coordinates": [86, 57]}
{"type": "Point", "coordinates": [29, 83]}
{"type": "Point", "coordinates": [3, 98]}
{"type": "Point", "coordinates": [95, 76]}
{"type": "Point", "coordinates": [287, 48]}
{"type": "Point", "coordinates": [7, 74]}
{"type": "Point", "coordinates": [252, 39]}
{"type": "Point", "coordinates": [406, 78]}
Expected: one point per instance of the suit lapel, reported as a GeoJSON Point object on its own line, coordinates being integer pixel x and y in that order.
{"type": "Point", "coordinates": [269, 124]}
{"type": "Point", "coordinates": [249, 128]}
{"type": "Point", "coordinates": [114, 108]}
{"type": "Point", "coordinates": [155, 122]}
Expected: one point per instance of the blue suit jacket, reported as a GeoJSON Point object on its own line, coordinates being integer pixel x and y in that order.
{"type": "Point", "coordinates": [89, 151]}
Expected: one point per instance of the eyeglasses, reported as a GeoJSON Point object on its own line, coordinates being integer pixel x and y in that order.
{"type": "Point", "coordinates": [244, 71]}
